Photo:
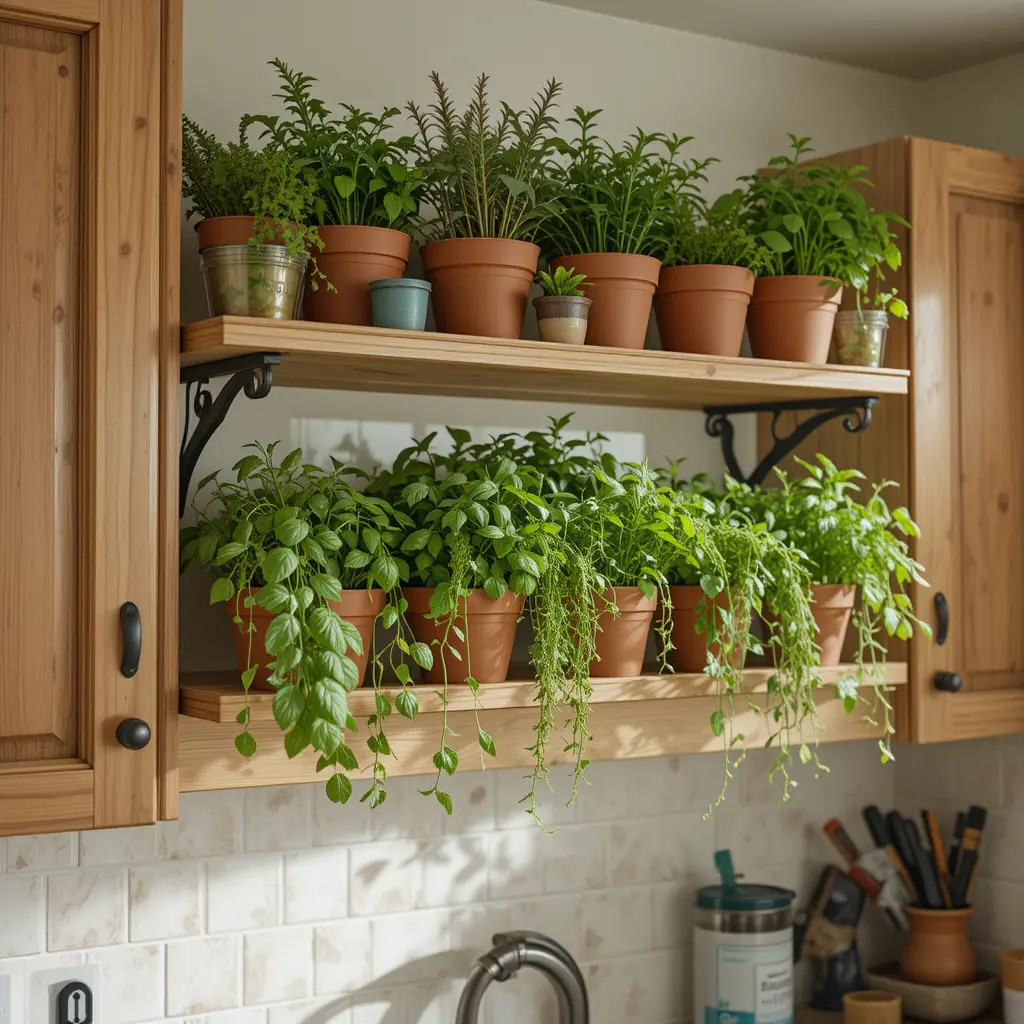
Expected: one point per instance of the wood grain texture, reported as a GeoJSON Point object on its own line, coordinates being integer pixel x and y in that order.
{"type": "Point", "coordinates": [374, 359]}
{"type": "Point", "coordinates": [170, 329]}
{"type": "Point", "coordinates": [966, 256]}
{"type": "Point", "coordinates": [218, 696]}
{"type": "Point", "coordinates": [40, 83]}
{"type": "Point", "coordinates": [56, 796]}
{"type": "Point", "coordinates": [71, 15]}
{"type": "Point", "coordinates": [620, 730]}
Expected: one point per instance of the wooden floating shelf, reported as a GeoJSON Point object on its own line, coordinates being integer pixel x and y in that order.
{"type": "Point", "coordinates": [396, 362]}
{"type": "Point", "coordinates": [648, 716]}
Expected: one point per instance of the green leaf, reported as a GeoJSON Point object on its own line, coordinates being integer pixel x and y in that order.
{"type": "Point", "coordinates": [357, 559]}
{"type": "Point", "coordinates": [444, 799]}
{"type": "Point", "coordinates": [841, 228]}
{"type": "Point", "coordinates": [776, 241]}
{"type": "Point", "coordinates": [490, 532]}
{"type": "Point", "coordinates": [245, 744]}
{"type": "Point", "coordinates": [422, 655]}
{"type": "Point", "coordinates": [279, 565]}
{"type": "Point", "coordinates": [849, 704]}
{"type": "Point", "coordinates": [446, 760]}
{"type": "Point", "coordinates": [345, 185]}
{"type": "Point", "coordinates": [454, 520]}
{"type": "Point", "coordinates": [408, 705]}
{"type": "Point", "coordinates": [325, 736]}
{"type": "Point", "coordinates": [242, 718]}
{"type": "Point", "coordinates": [793, 221]}
{"type": "Point", "coordinates": [247, 680]}
{"type": "Point", "coordinates": [346, 758]}
{"type": "Point", "coordinates": [288, 706]}
{"type": "Point", "coordinates": [416, 540]}
{"type": "Point", "coordinates": [384, 572]}
{"type": "Point", "coordinates": [291, 531]}
{"type": "Point", "coordinates": [494, 588]}
{"type": "Point", "coordinates": [717, 722]}
{"type": "Point", "coordinates": [352, 635]}
{"type": "Point", "coordinates": [371, 538]}
{"type": "Point", "coordinates": [244, 467]}
{"type": "Point", "coordinates": [330, 700]}
{"type": "Point", "coordinates": [282, 633]}
{"type": "Point", "coordinates": [296, 741]}
{"type": "Point", "coordinates": [415, 493]}
{"type": "Point", "coordinates": [339, 789]}
{"type": "Point", "coordinates": [223, 589]}
{"type": "Point", "coordinates": [326, 586]}
{"type": "Point", "coordinates": [232, 549]}
{"type": "Point", "coordinates": [486, 742]}
{"type": "Point", "coordinates": [325, 626]}
{"type": "Point", "coordinates": [392, 206]}
{"type": "Point", "coordinates": [274, 598]}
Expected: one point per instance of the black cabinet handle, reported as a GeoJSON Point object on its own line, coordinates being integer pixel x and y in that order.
{"type": "Point", "coordinates": [133, 733]}
{"type": "Point", "coordinates": [950, 682]}
{"type": "Point", "coordinates": [942, 615]}
{"type": "Point", "coordinates": [131, 635]}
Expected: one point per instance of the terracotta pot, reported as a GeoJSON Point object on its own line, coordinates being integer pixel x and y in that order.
{"type": "Point", "coordinates": [360, 607]}
{"type": "Point", "coordinates": [872, 1007]}
{"type": "Point", "coordinates": [791, 317]}
{"type": "Point", "coordinates": [621, 288]}
{"type": "Point", "coordinates": [489, 627]}
{"type": "Point", "coordinates": [703, 309]}
{"type": "Point", "coordinates": [230, 231]}
{"type": "Point", "coordinates": [938, 951]}
{"type": "Point", "coordinates": [832, 606]}
{"type": "Point", "coordinates": [480, 285]}
{"type": "Point", "coordinates": [562, 318]}
{"type": "Point", "coordinates": [351, 258]}
{"type": "Point", "coordinates": [621, 640]}
{"type": "Point", "coordinates": [690, 648]}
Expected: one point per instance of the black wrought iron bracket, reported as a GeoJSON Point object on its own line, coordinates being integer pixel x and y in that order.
{"type": "Point", "coordinates": [251, 374]}
{"type": "Point", "coordinates": [856, 412]}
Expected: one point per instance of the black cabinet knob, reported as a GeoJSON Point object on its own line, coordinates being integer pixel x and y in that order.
{"type": "Point", "coordinates": [950, 682]}
{"type": "Point", "coordinates": [134, 734]}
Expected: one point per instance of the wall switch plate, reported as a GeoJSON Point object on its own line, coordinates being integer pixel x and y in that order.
{"type": "Point", "coordinates": [45, 1002]}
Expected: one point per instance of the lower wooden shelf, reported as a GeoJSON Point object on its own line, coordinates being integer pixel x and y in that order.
{"type": "Point", "coordinates": [647, 716]}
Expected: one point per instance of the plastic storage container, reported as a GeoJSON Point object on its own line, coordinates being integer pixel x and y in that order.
{"type": "Point", "coordinates": [247, 280]}
{"type": "Point", "coordinates": [742, 951]}
{"type": "Point", "coordinates": [400, 303]}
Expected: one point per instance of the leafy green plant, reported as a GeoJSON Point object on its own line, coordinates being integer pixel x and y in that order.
{"type": "Point", "coordinates": [815, 219]}
{"type": "Point", "coordinates": [482, 173]}
{"type": "Point", "coordinates": [715, 236]}
{"type": "Point", "coordinates": [233, 179]}
{"type": "Point", "coordinates": [361, 174]}
{"type": "Point", "coordinates": [607, 199]}
{"type": "Point", "coordinates": [288, 538]}
{"type": "Point", "coordinates": [564, 281]}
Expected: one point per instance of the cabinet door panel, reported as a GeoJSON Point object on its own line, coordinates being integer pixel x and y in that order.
{"type": "Point", "coordinates": [40, 84]}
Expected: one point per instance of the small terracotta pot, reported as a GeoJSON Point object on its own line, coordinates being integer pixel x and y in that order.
{"type": "Point", "coordinates": [480, 285]}
{"type": "Point", "coordinates": [360, 607]}
{"type": "Point", "coordinates": [791, 317]}
{"type": "Point", "coordinates": [690, 648]}
{"type": "Point", "coordinates": [351, 258]}
{"type": "Point", "coordinates": [872, 1007]}
{"type": "Point", "coordinates": [621, 640]}
{"type": "Point", "coordinates": [489, 627]}
{"type": "Point", "coordinates": [230, 231]}
{"type": "Point", "coordinates": [832, 606]}
{"type": "Point", "coordinates": [938, 951]}
{"type": "Point", "coordinates": [562, 318]}
{"type": "Point", "coordinates": [703, 309]}
{"type": "Point", "coordinates": [621, 288]}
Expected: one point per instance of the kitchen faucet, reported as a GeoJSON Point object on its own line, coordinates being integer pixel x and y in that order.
{"type": "Point", "coordinates": [513, 950]}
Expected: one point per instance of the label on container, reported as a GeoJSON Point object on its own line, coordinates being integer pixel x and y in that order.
{"type": "Point", "coordinates": [743, 979]}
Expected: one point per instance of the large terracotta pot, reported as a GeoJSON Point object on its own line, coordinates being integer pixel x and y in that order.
{"type": "Point", "coordinates": [938, 951]}
{"type": "Point", "coordinates": [360, 607]}
{"type": "Point", "coordinates": [480, 285]}
{"type": "Point", "coordinates": [489, 628]}
{"type": "Point", "coordinates": [621, 640]}
{"type": "Point", "coordinates": [351, 258]}
{"type": "Point", "coordinates": [230, 231]}
{"type": "Point", "coordinates": [832, 606]}
{"type": "Point", "coordinates": [621, 288]}
{"type": "Point", "coordinates": [791, 317]}
{"type": "Point", "coordinates": [703, 309]}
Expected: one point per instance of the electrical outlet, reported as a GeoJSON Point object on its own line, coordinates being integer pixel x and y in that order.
{"type": "Point", "coordinates": [44, 992]}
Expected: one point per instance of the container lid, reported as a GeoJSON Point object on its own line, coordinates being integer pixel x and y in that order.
{"type": "Point", "coordinates": [735, 896]}
{"type": "Point", "coordinates": [400, 282]}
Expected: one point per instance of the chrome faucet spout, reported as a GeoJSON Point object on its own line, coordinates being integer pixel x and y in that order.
{"type": "Point", "coordinates": [514, 950]}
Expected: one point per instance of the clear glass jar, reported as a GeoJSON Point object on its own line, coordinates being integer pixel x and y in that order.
{"type": "Point", "coordinates": [858, 338]}
{"type": "Point", "coordinates": [247, 280]}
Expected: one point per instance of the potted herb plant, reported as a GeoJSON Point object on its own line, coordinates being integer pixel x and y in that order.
{"type": "Point", "coordinates": [710, 262]}
{"type": "Point", "coordinates": [365, 192]}
{"type": "Point", "coordinates": [254, 238]}
{"type": "Point", "coordinates": [563, 308]}
{"type": "Point", "coordinates": [823, 235]}
{"type": "Point", "coordinates": [482, 176]}
{"type": "Point", "coordinates": [606, 206]}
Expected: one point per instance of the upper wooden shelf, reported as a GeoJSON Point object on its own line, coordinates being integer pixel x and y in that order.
{"type": "Point", "coordinates": [374, 359]}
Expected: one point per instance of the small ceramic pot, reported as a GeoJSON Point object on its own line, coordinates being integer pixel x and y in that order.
{"type": "Point", "coordinates": [689, 648]}
{"type": "Point", "coordinates": [869, 1006]}
{"type": "Point", "coordinates": [702, 309]}
{"type": "Point", "coordinates": [832, 607]}
{"type": "Point", "coordinates": [938, 951]}
{"type": "Point", "coordinates": [791, 317]}
{"type": "Point", "coordinates": [562, 318]}
{"type": "Point", "coordinates": [400, 303]}
{"type": "Point", "coordinates": [621, 638]}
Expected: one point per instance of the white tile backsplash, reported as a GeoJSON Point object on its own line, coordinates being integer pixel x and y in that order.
{"type": "Point", "coordinates": [274, 906]}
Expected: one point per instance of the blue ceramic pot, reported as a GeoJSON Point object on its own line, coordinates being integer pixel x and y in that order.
{"type": "Point", "coordinates": [400, 303]}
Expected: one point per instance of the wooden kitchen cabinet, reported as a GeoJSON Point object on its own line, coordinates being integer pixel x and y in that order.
{"type": "Point", "coordinates": [88, 280]}
{"type": "Point", "coordinates": [956, 443]}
